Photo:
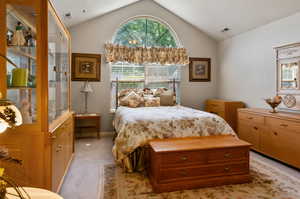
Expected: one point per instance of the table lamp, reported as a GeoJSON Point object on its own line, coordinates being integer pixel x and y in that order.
{"type": "Point", "coordinates": [86, 89]}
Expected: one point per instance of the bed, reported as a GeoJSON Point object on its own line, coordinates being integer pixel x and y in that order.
{"type": "Point", "coordinates": [135, 127]}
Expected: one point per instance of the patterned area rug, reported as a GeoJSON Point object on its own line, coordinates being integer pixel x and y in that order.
{"type": "Point", "coordinates": [268, 183]}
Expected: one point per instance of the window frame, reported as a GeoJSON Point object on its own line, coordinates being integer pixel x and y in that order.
{"type": "Point", "coordinates": [178, 45]}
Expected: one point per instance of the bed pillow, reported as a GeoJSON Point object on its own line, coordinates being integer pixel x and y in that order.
{"type": "Point", "coordinates": [167, 98]}
{"type": "Point", "coordinates": [152, 101]}
{"type": "Point", "coordinates": [159, 91]}
{"type": "Point", "coordinates": [124, 92]}
{"type": "Point", "coordinates": [132, 100]}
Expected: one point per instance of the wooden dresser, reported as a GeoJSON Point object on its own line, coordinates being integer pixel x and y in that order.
{"type": "Point", "coordinates": [226, 109]}
{"type": "Point", "coordinates": [274, 134]}
{"type": "Point", "coordinates": [187, 163]}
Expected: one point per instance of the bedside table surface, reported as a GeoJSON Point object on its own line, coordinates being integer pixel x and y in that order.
{"type": "Point", "coordinates": [78, 115]}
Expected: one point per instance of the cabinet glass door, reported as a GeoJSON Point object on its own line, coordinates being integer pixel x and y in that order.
{"type": "Point", "coordinates": [21, 50]}
{"type": "Point", "coordinates": [58, 68]}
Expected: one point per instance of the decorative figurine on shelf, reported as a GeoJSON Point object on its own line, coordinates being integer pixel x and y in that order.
{"type": "Point", "coordinates": [9, 37]}
{"type": "Point", "coordinates": [24, 109]}
{"type": "Point", "coordinates": [274, 102]}
{"type": "Point", "coordinates": [18, 38]}
{"type": "Point", "coordinates": [29, 38]}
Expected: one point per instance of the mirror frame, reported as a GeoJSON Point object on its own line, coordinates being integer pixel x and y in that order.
{"type": "Point", "coordinates": [288, 54]}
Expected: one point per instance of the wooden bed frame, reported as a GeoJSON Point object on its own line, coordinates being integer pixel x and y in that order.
{"type": "Point", "coordinates": [117, 90]}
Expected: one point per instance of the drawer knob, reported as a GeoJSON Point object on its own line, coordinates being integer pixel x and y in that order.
{"type": "Point", "coordinates": [183, 173]}
{"type": "Point", "coordinates": [284, 125]}
{"type": "Point", "coordinates": [250, 118]}
{"type": "Point", "coordinates": [226, 169]}
{"type": "Point", "coordinates": [275, 133]}
{"type": "Point", "coordinates": [255, 128]}
{"type": "Point", "coordinates": [183, 158]}
{"type": "Point", "coordinates": [59, 148]}
{"type": "Point", "coordinates": [227, 155]}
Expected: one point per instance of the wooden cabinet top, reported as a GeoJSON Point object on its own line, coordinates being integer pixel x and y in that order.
{"type": "Point", "coordinates": [196, 143]}
{"type": "Point", "coordinates": [87, 115]}
{"type": "Point", "coordinates": [222, 101]}
{"type": "Point", "coordinates": [266, 112]}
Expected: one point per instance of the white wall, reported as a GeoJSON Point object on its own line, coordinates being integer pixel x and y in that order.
{"type": "Point", "coordinates": [90, 37]}
{"type": "Point", "coordinates": [248, 62]}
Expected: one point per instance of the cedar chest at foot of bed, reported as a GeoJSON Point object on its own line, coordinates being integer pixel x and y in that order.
{"type": "Point", "coordinates": [188, 163]}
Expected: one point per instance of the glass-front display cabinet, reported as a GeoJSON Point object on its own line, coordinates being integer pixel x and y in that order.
{"type": "Point", "coordinates": [35, 76]}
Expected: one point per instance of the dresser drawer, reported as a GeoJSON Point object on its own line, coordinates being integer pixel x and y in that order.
{"type": "Point", "coordinates": [212, 106]}
{"type": "Point", "coordinates": [204, 171]}
{"type": "Point", "coordinates": [227, 155]}
{"type": "Point", "coordinates": [275, 123]}
{"type": "Point", "coordinates": [253, 118]}
{"type": "Point", "coordinates": [183, 158]}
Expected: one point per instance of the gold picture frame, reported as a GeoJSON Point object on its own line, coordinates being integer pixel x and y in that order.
{"type": "Point", "coordinates": [86, 67]}
{"type": "Point", "coordinates": [200, 69]}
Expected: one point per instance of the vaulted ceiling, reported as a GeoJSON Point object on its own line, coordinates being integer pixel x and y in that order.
{"type": "Point", "coordinates": [210, 16]}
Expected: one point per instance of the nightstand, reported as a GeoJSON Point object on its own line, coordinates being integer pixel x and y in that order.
{"type": "Point", "coordinates": [88, 121]}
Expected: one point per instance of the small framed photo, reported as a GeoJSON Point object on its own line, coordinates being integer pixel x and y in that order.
{"type": "Point", "coordinates": [86, 67]}
{"type": "Point", "coordinates": [200, 69]}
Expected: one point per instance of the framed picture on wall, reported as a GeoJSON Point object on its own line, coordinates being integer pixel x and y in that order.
{"type": "Point", "coordinates": [86, 67]}
{"type": "Point", "coordinates": [200, 69]}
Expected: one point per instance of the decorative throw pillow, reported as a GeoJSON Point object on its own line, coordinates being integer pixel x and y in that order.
{"type": "Point", "coordinates": [132, 100]}
{"type": "Point", "coordinates": [140, 92]}
{"type": "Point", "coordinates": [148, 91]}
{"type": "Point", "coordinates": [152, 101]}
{"type": "Point", "coordinates": [167, 98]}
{"type": "Point", "coordinates": [125, 92]}
{"type": "Point", "coordinates": [159, 91]}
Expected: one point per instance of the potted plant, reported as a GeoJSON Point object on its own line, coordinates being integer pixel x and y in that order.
{"type": "Point", "coordinates": [6, 181]}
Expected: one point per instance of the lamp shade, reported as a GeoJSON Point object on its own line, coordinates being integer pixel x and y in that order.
{"type": "Point", "coordinates": [10, 116]}
{"type": "Point", "coordinates": [87, 88]}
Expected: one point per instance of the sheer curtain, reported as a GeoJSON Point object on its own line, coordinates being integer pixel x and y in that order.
{"type": "Point", "coordinates": [144, 76]}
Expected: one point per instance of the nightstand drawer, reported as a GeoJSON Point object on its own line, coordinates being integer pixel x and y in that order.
{"type": "Point", "coordinates": [216, 107]}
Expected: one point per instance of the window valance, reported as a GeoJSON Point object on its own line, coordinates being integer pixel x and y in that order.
{"type": "Point", "coordinates": [140, 55]}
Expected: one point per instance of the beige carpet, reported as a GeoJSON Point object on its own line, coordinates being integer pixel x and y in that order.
{"type": "Point", "coordinates": [268, 183]}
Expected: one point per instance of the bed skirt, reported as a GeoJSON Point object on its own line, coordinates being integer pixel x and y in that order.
{"type": "Point", "coordinates": [136, 161]}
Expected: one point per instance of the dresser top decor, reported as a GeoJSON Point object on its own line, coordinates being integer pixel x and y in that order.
{"type": "Point", "coordinates": [139, 55]}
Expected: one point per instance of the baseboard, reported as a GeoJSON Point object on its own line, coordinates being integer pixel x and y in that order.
{"type": "Point", "coordinates": [92, 134]}
{"type": "Point", "coordinates": [65, 173]}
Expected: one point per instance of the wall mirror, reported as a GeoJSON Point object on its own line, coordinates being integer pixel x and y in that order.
{"type": "Point", "coordinates": [288, 76]}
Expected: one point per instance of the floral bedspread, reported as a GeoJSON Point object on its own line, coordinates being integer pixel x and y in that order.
{"type": "Point", "coordinates": [136, 126]}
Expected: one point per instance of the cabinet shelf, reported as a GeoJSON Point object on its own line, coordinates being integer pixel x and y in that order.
{"type": "Point", "coordinates": [26, 17]}
{"type": "Point", "coordinates": [20, 50]}
{"type": "Point", "coordinates": [21, 88]}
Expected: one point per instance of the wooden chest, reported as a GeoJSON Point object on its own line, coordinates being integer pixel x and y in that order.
{"type": "Point", "coordinates": [187, 163]}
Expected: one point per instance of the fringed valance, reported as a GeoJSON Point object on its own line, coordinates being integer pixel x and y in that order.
{"type": "Point", "coordinates": [140, 55]}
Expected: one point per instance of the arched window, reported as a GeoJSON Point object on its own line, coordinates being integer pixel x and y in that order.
{"type": "Point", "coordinates": [145, 32]}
